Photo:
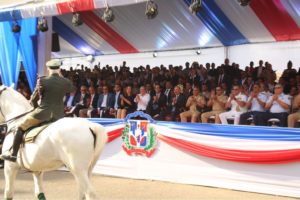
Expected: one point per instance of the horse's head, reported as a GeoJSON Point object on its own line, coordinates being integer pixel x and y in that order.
{"type": "Point", "coordinates": [12, 103]}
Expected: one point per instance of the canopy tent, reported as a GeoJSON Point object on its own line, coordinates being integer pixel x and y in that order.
{"type": "Point", "coordinates": [219, 23]}
{"type": "Point", "coordinates": [240, 33]}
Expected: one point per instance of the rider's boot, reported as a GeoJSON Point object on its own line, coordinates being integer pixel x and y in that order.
{"type": "Point", "coordinates": [16, 146]}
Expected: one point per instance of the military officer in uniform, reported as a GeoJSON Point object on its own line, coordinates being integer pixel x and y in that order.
{"type": "Point", "coordinates": [50, 90]}
{"type": "Point", "coordinates": [278, 106]}
{"type": "Point", "coordinates": [256, 103]}
{"type": "Point", "coordinates": [237, 103]}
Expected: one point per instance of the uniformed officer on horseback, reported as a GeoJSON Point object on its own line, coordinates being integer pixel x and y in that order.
{"type": "Point", "coordinates": [50, 90]}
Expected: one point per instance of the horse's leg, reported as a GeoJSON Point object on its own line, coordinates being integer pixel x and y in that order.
{"type": "Point", "coordinates": [38, 185]}
{"type": "Point", "coordinates": [10, 173]}
{"type": "Point", "coordinates": [85, 187]}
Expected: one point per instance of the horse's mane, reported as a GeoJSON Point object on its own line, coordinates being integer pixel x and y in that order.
{"type": "Point", "coordinates": [13, 101]}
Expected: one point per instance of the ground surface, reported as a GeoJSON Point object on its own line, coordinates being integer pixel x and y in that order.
{"type": "Point", "coordinates": [61, 186]}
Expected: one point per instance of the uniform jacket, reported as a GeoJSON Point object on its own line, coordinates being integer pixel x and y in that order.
{"type": "Point", "coordinates": [51, 91]}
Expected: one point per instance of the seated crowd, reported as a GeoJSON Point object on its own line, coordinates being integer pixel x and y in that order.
{"type": "Point", "coordinates": [193, 93]}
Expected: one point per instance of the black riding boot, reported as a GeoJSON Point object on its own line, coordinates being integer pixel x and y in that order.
{"type": "Point", "coordinates": [16, 146]}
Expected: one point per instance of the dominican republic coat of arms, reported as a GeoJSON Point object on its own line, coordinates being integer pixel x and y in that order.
{"type": "Point", "coordinates": [139, 137]}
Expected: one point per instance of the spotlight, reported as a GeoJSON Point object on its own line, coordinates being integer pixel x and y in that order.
{"type": "Point", "coordinates": [151, 9]}
{"type": "Point", "coordinates": [16, 27]}
{"type": "Point", "coordinates": [198, 52]}
{"type": "Point", "coordinates": [154, 54]}
{"type": "Point", "coordinates": [42, 24]}
{"type": "Point", "coordinates": [195, 6]}
{"type": "Point", "coordinates": [90, 58]}
{"type": "Point", "coordinates": [244, 2]}
{"type": "Point", "coordinates": [108, 15]}
{"type": "Point", "coordinates": [76, 20]}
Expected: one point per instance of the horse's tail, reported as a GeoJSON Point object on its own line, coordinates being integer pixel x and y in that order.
{"type": "Point", "coordinates": [100, 139]}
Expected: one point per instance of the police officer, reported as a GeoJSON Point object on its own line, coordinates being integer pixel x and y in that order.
{"type": "Point", "coordinates": [50, 90]}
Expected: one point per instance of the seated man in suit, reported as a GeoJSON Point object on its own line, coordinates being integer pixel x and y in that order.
{"type": "Point", "coordinates": [80, 101]}
{"type": "Point", "coordinates": [158, 102]}
{"type": "Point", "coordinates": [195, 103]}
{"type": "Point", "coordinates": [104, 105]}
{"type": "Point", "coordinates": [69, 102]}
{"type": "Point", "coordinates": [237, 105]}
{"type": "Point", "coordinates": [176, 106]}
{"type": "Point", "coordinates": [117, 101]}
{"type": "Point", "coordinates": [217, 101]}
{"type": "Point", "coordinates": [256, 103]}
{"type": "Point", "coordinates": [168, 92]}
{"type": "Point", "coordinates": [278, 106]}
{"type": "Point", "coordinates": [92, 103]}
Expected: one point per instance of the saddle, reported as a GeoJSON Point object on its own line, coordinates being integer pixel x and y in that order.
{"type": "Point", "coordinates": [31, 134]}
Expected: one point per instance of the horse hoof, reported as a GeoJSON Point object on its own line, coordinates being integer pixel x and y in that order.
{"type": "Point", "coordinates": [41, 196]}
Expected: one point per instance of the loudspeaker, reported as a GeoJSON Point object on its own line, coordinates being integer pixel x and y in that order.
{"type": "Point", "coordinates": [55, 43]}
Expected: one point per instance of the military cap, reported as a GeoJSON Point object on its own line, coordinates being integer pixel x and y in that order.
{"type": "Point", "coordinates": [53, 64]}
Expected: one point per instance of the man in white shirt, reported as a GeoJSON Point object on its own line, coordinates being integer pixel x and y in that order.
{"type": "Point", "coordinates": [278, 106]}
{"type": "Point", "coordinates": [256, 103]}
{"type": "Point", "coordinates": [237, 103]}
{"type": "Point", "coordinates": [142, 99]}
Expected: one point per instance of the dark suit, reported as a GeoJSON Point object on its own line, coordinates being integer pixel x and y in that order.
{"type": "Point", "coordinates": [67, 99]}
{"type": "Point", "coordinates": [174, 109]}
{"type": "Point", "coordinates": [168, 95]}
{"type": "Point", "coordinates": [78, 106]}
{"type": "Point", "coordinates": [94, 102]}
{"type": "Point", "coordinates": [117, 102]}
{"type": "Point", "coordinates": [255, 73]}
{"type": "Point", "coordinates": [155, 108]}
{"type": "Point", "coordinates": [104, 109]}
{"type": "Point", "coordinates": [195, 81]}
{"type": "Point", "coordinates": [77, 99]}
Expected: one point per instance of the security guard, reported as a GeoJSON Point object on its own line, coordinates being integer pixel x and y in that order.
{"type": "Point", "coordinates": [50, 90]}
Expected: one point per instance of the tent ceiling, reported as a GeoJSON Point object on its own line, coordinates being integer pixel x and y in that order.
{"type": "Point", "coordinates": [220, 23]}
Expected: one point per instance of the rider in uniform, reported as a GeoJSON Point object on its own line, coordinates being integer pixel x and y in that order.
{"type": "Point", "coordinates": [50, 90]}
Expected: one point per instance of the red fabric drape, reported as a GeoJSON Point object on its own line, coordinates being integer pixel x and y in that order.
{"type": "Point", "coordinates": [275, 17]}
{"type": "Point", "coordinates": [112, 135]}
{"type": "Point", "coordinates": [259, 157]}
{"type": "Point", "coordinates": [75, 6]}
{"type": "Point", "coordinates": [107, 33]}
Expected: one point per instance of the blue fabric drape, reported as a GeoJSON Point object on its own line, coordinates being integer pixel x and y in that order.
{"type": "Point", "coordinates": [219, 24]}
{"type": "Point", "coordinates": [27, 49]}
{"type": "Point", "coordinates": [16, 47]}
{"type": "Point", "coordinates": [230, 131]}
{"type": "Point", "coordinates": [73, 38]}
{"type": "Point", "coordinates": [9, 65]}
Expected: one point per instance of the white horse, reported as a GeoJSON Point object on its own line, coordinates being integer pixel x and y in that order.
{"type": "Point", "coordinates": [73, 142]}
